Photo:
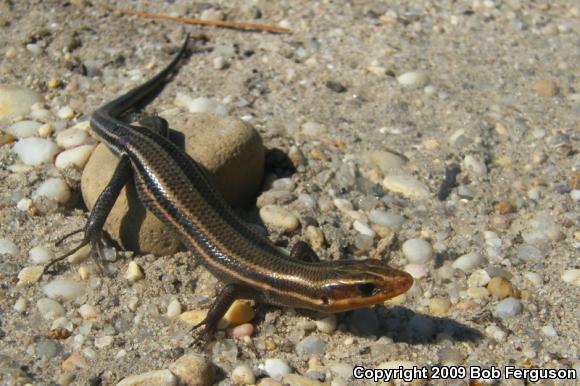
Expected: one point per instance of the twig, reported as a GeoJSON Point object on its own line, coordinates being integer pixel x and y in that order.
{"type": "Point", "coordinates": [246, 26]}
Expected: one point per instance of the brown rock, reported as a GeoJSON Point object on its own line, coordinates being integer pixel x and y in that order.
{"type": "Point", "coordinates": [545, 88]}
{"type": "Point", "coordinates": [193, 370]}
{"type": "Point", "coordinates": [575, 180]}
{"type": "Point", "coordinates": [502, 288]}
{"type": "Point", "coordinates": [228, 148]}
{"type": "Point", "coordinates": [505, 207]}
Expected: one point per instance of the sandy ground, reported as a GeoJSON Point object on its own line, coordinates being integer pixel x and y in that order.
{"type": "Point", "coordinates": [497, 95]}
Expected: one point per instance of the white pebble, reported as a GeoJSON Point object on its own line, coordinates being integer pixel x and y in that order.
{"type": "Point", "coordinates": [479, 278]}
{"type": "Point", "coordinates": [276, 368]}
{"type": "Point", "coordinates": [24, 204]}
{"type": "Point", "coordinates": [173, 308]}
{"type": "Point", "coordinates": [468, 262]}
{"type": "Point", "coordinates": [474, 165]}
{"type": "Point", "coordinates": [103, 341]}
{"type": "Point", "coordinates": [34, 49]}
{"type": "Point", "coordinates": [408, 186]}
{"type": "Point", "coordinates": [50, 309]}
{"type": "Point", "coordinates": [21, 305]}
{"type": "Point", "coordinates": [8, 247]}
{"type": "Point", "coordinates": [45, 130]}
{"type": "Point", "coordinates": [134, 272]}
{"type": "Point", "coordinates": [88, 312]}
{"type": "Point", "coordinates": [572, 276]}
{"type": "Point", "coordinates": [16, 100]}
{"type": "Point", "coordinates": [284, 184]}
{"type": "Point", "coordinates": [508, 308]}
{"type": "Point", "coordinates": [65, 112]}
{"type": "Point", "coordinates": [64, 288]}
{"type": "Point", "coordinates": [29, 275]}
{"type": "Point", "coordinates": [42, 115]}
{"type": "Point", "coordinates": [575, 194]}
{"type": "Point", "coordinates": [541, 229]}
{"type": "Point", "coordinates": [53, 188]}
{"type": "Point", "coordinates": [549, 330]}
{"type": "Point", "coordinates": [279, 218]}
{"type": "Point", "coordinates": [327, 324]}
{"type": "Point", "coordinates": [417, 251]}
{"type": "Point", "coordinates": [413, 78]}
{"type": "Point", "coordinates": [35, 151]}
{"type": "Point", "coordinates": [75, 157]}
{"type": "Point", "coordinates": [201, 105]}
{"type": "Point", "coordinates": [155, 377]}
{"type": "Point", "coordinates": [72, 137]}
{"type": "Point", "coordinates": [343, 205]}
{"type": "Point", "coordinates": [219, 63]}
{"type": "Point", "coordinates": [363, 229]}
{"type": "Point", "coordinates": [387, 160]}
{"type": "Point", "coordinates": [313, 129]}
{"type": "Point", "coordinates": [23, 129]}
{"type": "Point", "coordinates": [418, 271]}
{"type": "Point", "coordinates": [382, 217]}
{"type": "Point", "coordinates": [496, 333]}
{"type": "Point", "coordinates": [534, 278]}
{"type": "Point", "coordinates": [39, 255]}
{"type": "Point", "coordinates": [243, 375]}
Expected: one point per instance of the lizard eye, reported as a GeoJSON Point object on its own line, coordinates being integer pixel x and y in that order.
{"type": "Point", "coordinates": [366, 289]}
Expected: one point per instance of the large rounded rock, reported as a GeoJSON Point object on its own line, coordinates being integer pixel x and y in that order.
{"type": "Point", "coordinates": [231, 150]}
{"type": "Point", "coordinates": [16, 101]}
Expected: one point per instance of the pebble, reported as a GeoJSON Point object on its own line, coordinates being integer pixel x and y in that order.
{"type": "Point", "coordinates": [219, 63]}
{"type": "Point", "coordinates": [72, 137]}
{"type": "Point", "coordinates": [508, 308]}
{"type": "Point", "coordinates": [88, 312]}
{"type": "Point", "coordinates": [285, 184]}
{"type": "Point", "coordinates": [545, 87]}
{"type": "Point", "coordinates": [16, 101]}
{"type": "Point", "coordinates": [572, 276]}
{"type": "Point", "coordinates": [327, 324]}
{"type": "Point", "coordinates": [20, 305]}
{"type": "Point", "coordinates": [245, 329]}
{"type": "Point", "coordinates": [279, 218]}
{"type": "Point", "coordinates": [417, 251]}
{"type": "Point", "coordinates": [64, 288]}
{"type": "Point", "coordinates": [239, 312]}
{"type": "Point", "coordinates": [243, 375]}
{"type": "Point", "coordinates": [29, 275]}
{"type": "Point", "coordinates": [343, 205]}
{"type": "Point", "coordinates": [201, 105]}
{"type": "Point", "coordinates": [50, 309]}
{"type": "Point", "coordinates": [496, 333]}
{"type": "Point", "coordinates": [502, 288]}
{"type": "Point", "coordinates": [534, 278]}
{"type": "Point", "coordinates": [8, 247]}
{"type": "Point", "coordinates": [408, 186]}
{"type": "Point", "coordinates": [35, 151]}
{"type": "Point", "coordinates": [23, 129]}
{"type": "Point", "coordinates": [193, 370]}
{"type": "Point", "coordinates": [75, 157]}
{"type": "Point", "coordinates": [418, 271]}
{"type": "Point", "coordinates": [315, 236]}
{"type": "Point", "coordinates": [74, 362]}
{"type": "Point", "coordinates": [505, 207]}
{"type": "Point", "coordinates": [549, 330]}
{"type": "Point", "coordinates": [311, 345]}
{"type": "Point", "coordinates": [439, 305]}
{"type": "Point", "coordinates": [478, 278]}
{"type": "Point", "coordinates": [307, 201]}
{"type": "Point", "coordinates": [103, 341]}
{"type": "Point", "coordinates": [575, 194]}
{"type": "Point", "coordinates": [363, 229]}
{"type": "Point", "coordinates": [468, 261]}
{"type": "Point", "coordinates": [276, 368]}
{"type": "Point", "coordinates": [134, 272]}
{"type": "Point", "coordinates": [413, 79]}
{"type": "Point", "coordinates": [475, 165]}
{"type": "Point", "coordinates": [155, 377]}
{"type": "Point", "coordinates": [193, 317]}
{"type": "Point", "coordinates": [24, 204]}
{"type": "Point", "coordinates": [65, 112]}
{"type": "Point", "coordinates": [478, 293]}
{"type": "Point", "coordinates": [387, 160]}
{"type": "Point", "coordinates": [541, 229]}
{"type": "Point", "coordinates": [54, 188]}
{"type": "Point", "coordinates": [314, 129]}
{"type": "Point", "coordinates": [173, 309]}
{"type": "Point", "coordinates": [39, 255]}
{"type": "Point", "coordinates": [42, 115]}
{"type": "Point", "coordinates": [529, 253]}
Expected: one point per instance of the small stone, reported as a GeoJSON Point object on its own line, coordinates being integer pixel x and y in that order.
{"type": "Point", "coordinates": [413, 79]}
{"type": "Point", "coordinates": [219, 63]}
{"type": "Point", "coordinates": [335, 86]}
{"type": "Point", "coordinates": [173, 309]}
{"type": "Point", "coordinates": [30, 275]}
{"type": "Point", "coordinates": [16, 101]}
{"type": "Point", "coordinates": [314, 129]}
{"type": "Point", "coordinates": [35, 151]}
{"type": "Point", "coordinates": [50, 309]}
{"type": "Point", "coordinates": [24, 204]}
{"type": "Point", "coordinates": [276, 368]}
{"type": "Point", "coordinates": [545, 88]}
{"type": "Point", "coordinates": [23, 129]}
{"type": "Point", "coordinates": [155, 377]}
{"type": "Point", "coordinates": [417, 251]}
{"type": "Point", "coordinates": [496, 333]}
{"type": "Point", "coordinates": [245, 329]}
{"type": "Point", "coordinates": [534, 278]}
{"type": "Point", "coordinates": [363, 229]}
{"type": "Point", "coordinates": [8, 247]}
{"type": "Point", "coordinates": [54, 189]}
{"type": "Point", "coordinates": [21, 305]}
{"type": "Point", "coordinates": [439, 305]}
{"type": "Point", "coordinates": [529, 253]}
{"type": "Point", "coordinates": [327, 324]}
{"type": "Point", "coordinates": [193, 370]}
{"type": "Point", "coordinates": [505, 207]}
{"type": "Point", "coordinates": [243, 375]}
{"type": "Point", "coordinates": [65, 112]}
{"type": "Point", "coordinates": [76, 157]}
{"type": "Point", "coordinates": [468, 262]}
{"type": "Point", "coordinates": [502, 288]}
{"type": "Point", "coordinates": [239, 312]}
{"type": "Point", "coordinates": [201, 105]}
{"type": "Point", "coordinates": [550, 331]}
{"type": "Point", "coordinates": [88, 312]}
{"type": "Point", "coordinates": [279, 218]}
{"type": "Point", "coordinates": [315, 236]}
{"type": "Point", "coordinates": [193, 317]}
{"type": "Point", "coordinates": [64, 288]}
{"type": "Point", "coordinates": [478, 278]}
{"type": "Point", "coordinates": [418, 271]}
{"type": "Point", "coordinates": [103, 341]}
{"type": "Point", "coordinates": [407, 186]}
{"type": "Point", "coordinates": [478, 293]}
{"type": "Point", "coordinates": [572, 276]}
{"type": "Point", "coordinates": [134, 272]}
{"type": "Point", "coordinates": [387, 160]}
{"type": "Point", "coordinates": [72, 137]}
{"type": "Point", "coordinates": [474, 165]}
{"type": "Point", "coordinates": [311, 345]}
{"type": "Point", "coordinates": [39, 255]}
{"type": "Point", "coordinates": [541, 229]}
{"type": "Point", "coordinates": [75, 361]}
{"type": "Point", "coordinates": [508, 308]}
{"type": "Point", "coordinates": [284, 184]}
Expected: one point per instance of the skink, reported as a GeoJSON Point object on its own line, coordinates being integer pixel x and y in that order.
{"type": "Point", "coordinates": [177, 190]}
